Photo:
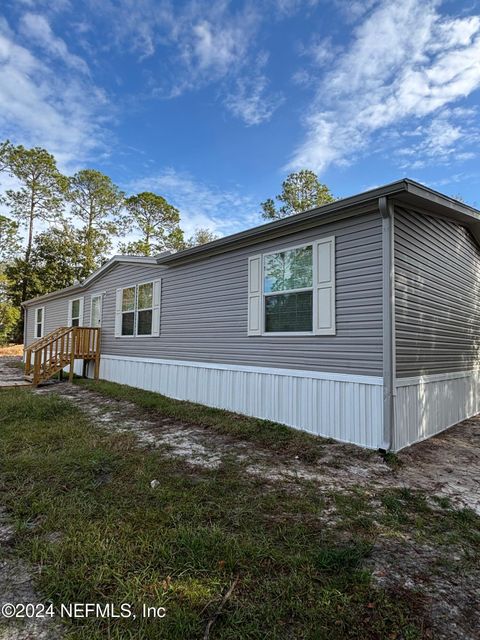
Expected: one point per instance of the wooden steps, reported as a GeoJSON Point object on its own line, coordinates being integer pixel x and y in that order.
{"type": "Point", "coordinates": [16, 385]}
{"type": "Point", "coordinates": [60, 349]}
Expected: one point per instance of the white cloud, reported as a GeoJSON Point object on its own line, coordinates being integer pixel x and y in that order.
{"type": "Point", "coordinates": [137, 27]}
{"type": "Point", "coordinates": [213, 48]}
{"type": "Point", "coordinates": [210, 45]}
{"type": "Point", "coordinates": [198, 45]}
{"type": "Point", "coordinates": [405, 61]}
{"type": "Point", "coordinates": [54, 108]}
{"type": "Point", "coordinates": [250, 100]}
{"type": "Point", "coordinates": [321, 51]}
{"type": "Point", "coordinates": [353, 10]}
{"type": "Point", "coordinates": [302, 78]}
{"type": "Point", "coordinates": [442, 141]}
{"type": "Point", "coordinates": [289, 7]}
{"type": "Point", "coordinates": [36, 28]}
{"type": "Point", "coordinates": [250, 103]}
{"type": "Point", "coordinates": [54, 6]}
{"type": "Point", "coordinates": [206, 41]}
{"type": "Point", "coordinates": [200, 204]}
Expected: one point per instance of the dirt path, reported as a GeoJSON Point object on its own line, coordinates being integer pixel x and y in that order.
{"type": "Point", "coordinates": [16, 576]}
{"type": "Point", "coordinates": [17, 587]}
{"type": "Point", "coordinates": [11, 373]}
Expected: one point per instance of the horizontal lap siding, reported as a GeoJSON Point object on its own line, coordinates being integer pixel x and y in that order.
{"type": "Point", "coordinates": [437, 273]}
{"type": "Point", "coordinates": [204, 307]}
{"type": "Point", "coordinates": [56, 315]}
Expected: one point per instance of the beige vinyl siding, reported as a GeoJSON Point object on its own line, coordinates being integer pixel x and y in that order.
{"type": "Point", "coordinates": [437, 289]}
{"type": "Point", "coordinates": [204, 307]}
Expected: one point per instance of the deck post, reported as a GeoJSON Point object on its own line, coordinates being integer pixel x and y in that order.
{"type": "Point", "coordinates": [72, 354]}
{"type": "Point", "coordinates": [28, 362]}
{"type": "Point", "coordinates": [96, 373]}
{"type": "Point", "coordinates": [36, 368]}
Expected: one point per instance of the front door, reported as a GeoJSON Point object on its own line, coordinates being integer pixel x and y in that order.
{"type": "Point", "coordinates": [96, 312]}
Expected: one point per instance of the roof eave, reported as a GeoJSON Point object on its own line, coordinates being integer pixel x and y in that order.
{"type": "Point", "coordinates": [405, 189]}
{"type": "Point", "coordinates": [92, 277]}
{"type": "Point", "coordinates": [292, 221]}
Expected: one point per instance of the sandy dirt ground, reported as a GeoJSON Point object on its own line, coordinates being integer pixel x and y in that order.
{"type": "Point", "coordinates": [11, 350]}
{"type": "Point", "coordinates": [17, 586]}
{"type": "Point", "coordinates": [11, 373]}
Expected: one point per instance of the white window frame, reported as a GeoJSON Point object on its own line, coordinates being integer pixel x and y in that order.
{"type": "Point", "coordinates": [134, 311]}
{"type": "Point", "coordinates": [80, 311]}
{"type": "Point", "coordinates": [92, 298]}
{"type": "Point", "coordinates": [156, 282]}
{"type": "Point", "coordinates": [143, 335]}
{"type": "Point", "coordinates": [36, 323]}
{"type": "Point", "coordinates": [266, 295]}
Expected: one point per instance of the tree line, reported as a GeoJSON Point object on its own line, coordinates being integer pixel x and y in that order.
{"type": "Point", "coordinates": [56, 230]}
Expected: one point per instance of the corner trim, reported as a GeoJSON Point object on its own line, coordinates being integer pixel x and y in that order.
{"type": "Point", "coordinates": [388, 317]}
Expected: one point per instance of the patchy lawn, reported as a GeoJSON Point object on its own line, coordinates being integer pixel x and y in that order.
{"type": "Point", "coordinates": [243, 508]}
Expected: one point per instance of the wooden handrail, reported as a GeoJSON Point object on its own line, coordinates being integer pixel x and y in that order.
{"type": "Point", "coordinates": [40, 342]}
{"type": "Point", "coordinates": [59, 349]}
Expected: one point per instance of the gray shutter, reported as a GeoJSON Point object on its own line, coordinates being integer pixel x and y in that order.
{"type": "Point", "coordinates": [118, 313]}
{"type": "Point", "coordinates": [157, 298]}
{"type": "Point", "coordinates": [255, 296]}
{"type": "Point", "coordinates": [324, 287]}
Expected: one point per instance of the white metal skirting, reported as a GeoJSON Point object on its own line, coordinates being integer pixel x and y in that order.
{"type": "Point", "coordinates": [346, 408]}
{"type": "Point", "coordinates": [427, 405]}
{"type": "Point", "coordinates": [77, 368]}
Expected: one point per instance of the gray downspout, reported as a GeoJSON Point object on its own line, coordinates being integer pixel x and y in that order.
{"type": "Point", "coordinates": [388, 304]}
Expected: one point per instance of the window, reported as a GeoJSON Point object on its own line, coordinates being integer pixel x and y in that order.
{"type": "Point", "coordinates": [144, 309]}
{"type": "Point", "coordinates": [288, 290]}
{"type": "Point", "coordinates": [96, 311]}
{"type": "Point", "coordinates": [138, 310]}
{"type": "Point", "coordinates": [76, 312]}
{"type": "Point", "coordinates": [128, 311]}
{"type": "Point", "coordinates": [292, 291]}
{"type": "Point", "coordinates": [39, 321]}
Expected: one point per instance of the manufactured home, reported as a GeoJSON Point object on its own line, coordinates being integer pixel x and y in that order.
{"type": "Point", "coordinates": [358, 320]}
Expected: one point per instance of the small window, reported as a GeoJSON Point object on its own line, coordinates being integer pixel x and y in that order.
{"type": "Point", "coordinates": [75, 318]}
{"type": "Point", "coordinates": [128, 311]}
{"type": "Point", "coordinates": [288, 290]}
{"type": "Point", "coordinates": [144, 309]}
{"type": "Point", "coordinates": [39, 316]}
{"type": "Point", "coordinates": [96, 311]}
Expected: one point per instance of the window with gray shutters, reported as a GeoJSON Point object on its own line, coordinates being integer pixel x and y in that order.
{"type": "Point", "coordinates": [292, 291]}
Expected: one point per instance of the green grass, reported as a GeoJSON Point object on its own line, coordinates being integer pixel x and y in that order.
{"type": "Point", "coordinates": [183, 544]}
{"type": "Point", "coordinates": [270, 435]}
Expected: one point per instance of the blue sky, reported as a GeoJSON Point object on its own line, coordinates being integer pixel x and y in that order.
{"type": "Point", "coordinates": [211, 104]}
